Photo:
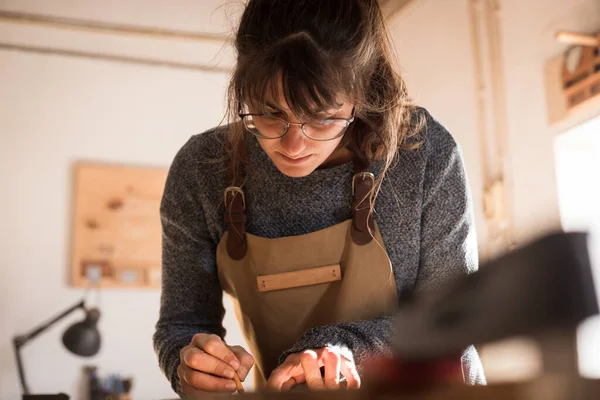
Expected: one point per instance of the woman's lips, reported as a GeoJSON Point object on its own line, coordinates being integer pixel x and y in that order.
{"type": "Point", "coordinates": [294, 160]}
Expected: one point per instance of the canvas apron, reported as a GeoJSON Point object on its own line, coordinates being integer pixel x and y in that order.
{"type": "Point", "coordinates": [283, 287]}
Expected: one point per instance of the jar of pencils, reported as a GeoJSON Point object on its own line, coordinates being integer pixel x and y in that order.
{"type": "Point", "coordinates": [110, 387]}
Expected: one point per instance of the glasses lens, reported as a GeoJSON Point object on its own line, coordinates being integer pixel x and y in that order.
{"type": "Point", "coordinates": [325, 130]}
{"type": "Point", "coordinates": [265, 126]}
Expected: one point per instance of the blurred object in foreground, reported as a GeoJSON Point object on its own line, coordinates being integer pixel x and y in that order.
{"type": "Point", "coordinates": [543, 289]}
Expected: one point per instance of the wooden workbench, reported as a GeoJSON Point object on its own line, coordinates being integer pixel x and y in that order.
{"type": "Point", "coordinates": [547, 388]}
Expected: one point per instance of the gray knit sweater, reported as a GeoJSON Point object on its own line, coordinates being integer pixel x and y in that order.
{"type": "Point", "coordinates": [424, 213]}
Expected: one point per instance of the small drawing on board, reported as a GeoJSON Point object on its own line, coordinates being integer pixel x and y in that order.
{"type": "Point", "coordinates": [129, 277]}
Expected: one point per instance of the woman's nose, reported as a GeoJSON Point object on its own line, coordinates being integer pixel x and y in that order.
{"type": "Point", "coordinates": [294, 142]}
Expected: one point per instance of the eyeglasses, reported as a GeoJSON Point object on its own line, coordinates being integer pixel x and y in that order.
{"type": "Point", "coordinates": [271, 127]}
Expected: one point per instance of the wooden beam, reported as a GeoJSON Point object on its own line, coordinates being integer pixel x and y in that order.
{"type": "Point", "coordinates": [74, 24]}
{"type": "Point", "coordinates": [578, 39]}
{"type": "Point", "coordinates": [91, 55]}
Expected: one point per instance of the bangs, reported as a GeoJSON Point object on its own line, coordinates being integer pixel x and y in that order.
{"type": "Point", "coordinates": [296, 71]}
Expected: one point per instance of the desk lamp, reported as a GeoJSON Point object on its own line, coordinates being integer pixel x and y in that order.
{"type": "Point", "coordinates": [81, 338]}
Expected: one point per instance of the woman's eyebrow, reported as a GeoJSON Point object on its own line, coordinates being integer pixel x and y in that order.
{"type": "Point", "coordinates": [319, 115]}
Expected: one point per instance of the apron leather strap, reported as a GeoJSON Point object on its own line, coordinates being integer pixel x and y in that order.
{"type": "Point", "coordinates": [235, 204]}
{"type": "Point", "coordinates": [363, 183]}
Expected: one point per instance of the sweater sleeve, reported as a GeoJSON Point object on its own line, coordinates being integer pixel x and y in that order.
{"type": "Point", "coordinates": [448, 237]}
{"type": "Point", "coordinates": [191, 297]}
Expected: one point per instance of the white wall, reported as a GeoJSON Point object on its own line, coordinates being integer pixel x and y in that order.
{"type": "Point", "coordinates": [55, 110]}
{"type": "Point", "coordinates": [434, 43]}
{"type": "Point", "coordinates": [435, 47]}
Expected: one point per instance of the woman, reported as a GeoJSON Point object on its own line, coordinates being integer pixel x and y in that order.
{"type": "Point", "coordinates": [326, 198]}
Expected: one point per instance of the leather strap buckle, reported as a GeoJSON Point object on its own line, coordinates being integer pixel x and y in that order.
{"type": "Point", "coordinates": [234, 190]}
{"type": "Point", "coordinates": [363, 176]}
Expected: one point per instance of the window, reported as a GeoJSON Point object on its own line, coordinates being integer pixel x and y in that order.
{"type": "Point", "coordinates": [577, 154]}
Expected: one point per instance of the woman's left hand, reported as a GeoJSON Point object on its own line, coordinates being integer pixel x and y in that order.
{"type": "Point", "coordinates": [305, 367]}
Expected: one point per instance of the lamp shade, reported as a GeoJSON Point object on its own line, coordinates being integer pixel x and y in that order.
{"type": "Point", "coordinates": [83, 338]}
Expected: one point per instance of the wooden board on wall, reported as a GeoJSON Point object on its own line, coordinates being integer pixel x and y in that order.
{"type": "Point", "coordinates": [116, 226]}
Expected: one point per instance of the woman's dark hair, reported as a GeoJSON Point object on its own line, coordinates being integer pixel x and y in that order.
{"type": "Point", "coordinates": [323, 52]}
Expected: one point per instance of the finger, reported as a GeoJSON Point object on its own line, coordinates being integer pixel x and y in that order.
{"type": "Point", "coordinates": [348, 369]}
{"type": "Point", "coordinates": [190, 392]}
{"type": "Point", "coordinates": [214, 345]}
{"type": "Point", "coordinates": [278, 377]}
{"type": "Point", "coordinates": [203, 381]}
{"type": "Point", "coordinates": [204, 362]}
{"type": "Point", "coordinates": [246, 361]}
{"type": "Point", "coordinates": [312, 372]}
{"type": "Point", "coordinates": [333, 366]}
{"type": "Point", "coordinates": [284, 372]}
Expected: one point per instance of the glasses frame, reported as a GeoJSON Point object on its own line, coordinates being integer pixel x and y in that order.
{"type": "Point", "coordinates": [300, 124]}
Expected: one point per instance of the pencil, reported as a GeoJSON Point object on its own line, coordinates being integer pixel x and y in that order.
{"type": "Point", "coordinates": [238, 384]}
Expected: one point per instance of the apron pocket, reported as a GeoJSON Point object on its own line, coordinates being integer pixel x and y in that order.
{"type": "Point", "coordinates": [304, 277]}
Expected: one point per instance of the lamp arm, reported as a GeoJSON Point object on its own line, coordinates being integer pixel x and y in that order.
{"type": "Point", "coordinates": [20, 340]}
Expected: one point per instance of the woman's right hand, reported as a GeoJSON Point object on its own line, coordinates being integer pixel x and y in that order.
{"type": "Point", "coordinates": [207, 364]}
